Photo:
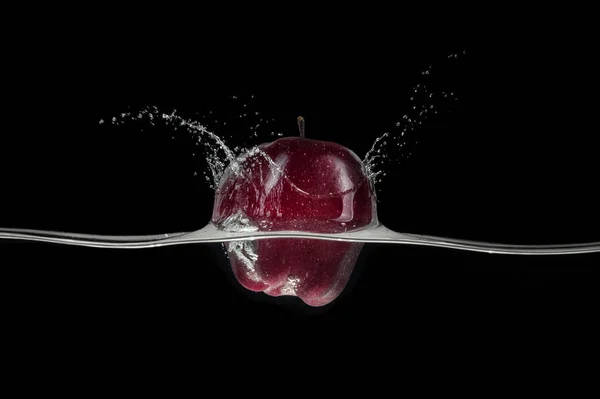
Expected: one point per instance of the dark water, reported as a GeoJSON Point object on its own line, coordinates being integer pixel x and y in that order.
{"type": "Point", "coordinates": [512, 161]}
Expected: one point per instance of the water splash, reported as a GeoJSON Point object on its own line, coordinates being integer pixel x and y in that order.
{"type": "Point", "coordinates": [218, 154]}
{"type": "Point", "coordinates": [424, 103]}
{"type": "Point", "coordinates": [219, 157]}
{"type": "Point", "coordinates": [371, 157]}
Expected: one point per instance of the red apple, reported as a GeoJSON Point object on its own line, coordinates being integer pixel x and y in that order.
{"type": "Point", "coordinates": [295, 184]}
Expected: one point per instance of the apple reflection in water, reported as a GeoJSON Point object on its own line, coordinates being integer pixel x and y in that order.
{"type": "Point", "coordinates": [300, 184]}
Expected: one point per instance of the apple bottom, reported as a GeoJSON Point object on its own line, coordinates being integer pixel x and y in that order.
{"type": "Point", "coordinates": [314, 270]}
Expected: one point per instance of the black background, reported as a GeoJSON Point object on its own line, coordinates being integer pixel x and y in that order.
{"type": "Point", "coordinates": [514, 160]}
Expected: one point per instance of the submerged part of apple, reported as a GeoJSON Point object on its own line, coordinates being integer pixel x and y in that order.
{"type": "Point", "coordinates": [295, 184]}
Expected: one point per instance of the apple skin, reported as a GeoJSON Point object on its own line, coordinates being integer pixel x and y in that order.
{"type": "Point", "coordinates": [295, 184]}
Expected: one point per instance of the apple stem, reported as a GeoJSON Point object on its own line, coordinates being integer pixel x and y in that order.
{"type": "Point", "coordinates": [301, 126]}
